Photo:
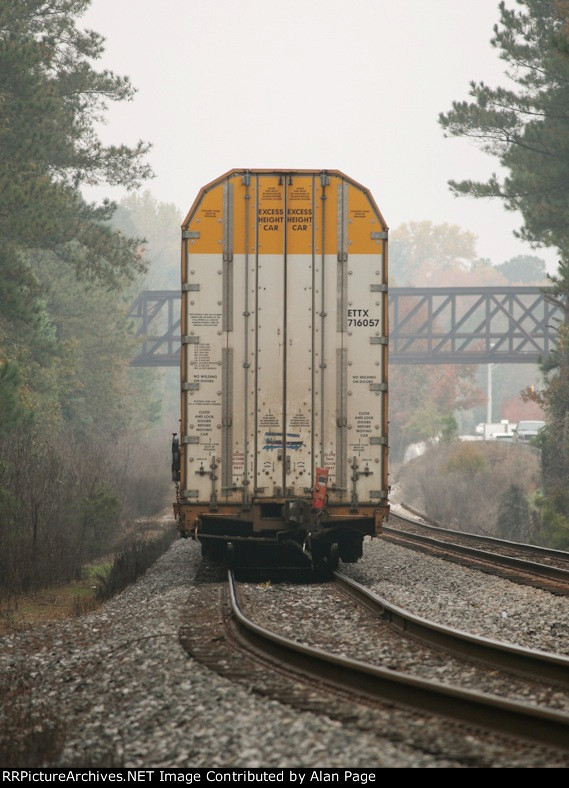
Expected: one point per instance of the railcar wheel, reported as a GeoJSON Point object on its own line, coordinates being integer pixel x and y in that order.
{"type": "Point", "coordinates": [351, 551]}
{"type": "Point", "coordinates": [214, 550]}
{"type": "Point", "coordinates": [319, 566]}
{"type": "Point", "coordinates": [333, 557]}
{"type": "Point", "coordinates": [230, 555]}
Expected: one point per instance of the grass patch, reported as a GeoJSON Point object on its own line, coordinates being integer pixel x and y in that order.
{"type": "Point", "coordinates": [99, 581]}
{"type": "Point", "coordinates": [55, 603]}
{"type": "Point", "coordinates": [99, 569]}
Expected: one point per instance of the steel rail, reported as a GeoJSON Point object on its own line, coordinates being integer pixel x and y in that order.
{"type": "Point", "coordinates": [433, 526]}
{"type": "Point", "coordinates": [506, 656]}
{"type": "Point", "coordinates": [383, 685]}
{"type": "Point", "coordinates": [496, 559]}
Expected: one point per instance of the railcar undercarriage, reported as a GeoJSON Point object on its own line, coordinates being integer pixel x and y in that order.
{"type": "Point", "coordinates": [282, 532]}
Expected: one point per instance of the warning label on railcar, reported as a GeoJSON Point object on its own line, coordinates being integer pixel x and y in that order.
{"type": "Point", "coordinates": [272, 193]}
{"type": "Point", "coordinates": [299, 193]}
{"type": "Point", "coordinates": [209, 447]}
{"type": "Point", "coordinates": [270, 218]}
{"type": "Point", "coordinates": [205, 319]}
{"type": "Point", "coordinates": [364, 423]}
{"type": "Point", "coordinates": [269, 420]}
{"type": "Point", "coordinates": [300, 420]}
{"type": "Point", "coordinates": [204, 420]}
{"type": "Point", "coordinates": [299, 218]}
{"type": "Point", "coordinates": [202, 357]}
{"type": "Point", "coordinates": [330, 459]}
{"type": "Point", "coordinates": [358, 448]}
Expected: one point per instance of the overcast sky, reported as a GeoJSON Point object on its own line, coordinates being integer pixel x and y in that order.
{"type": "Point", "coordinates": [355, 86]}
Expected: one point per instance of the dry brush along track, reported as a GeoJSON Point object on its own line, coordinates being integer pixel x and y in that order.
{"type": "Point", "coordinates": [539, 567]}
{"type": "Point", "coordinates": [321, 679]}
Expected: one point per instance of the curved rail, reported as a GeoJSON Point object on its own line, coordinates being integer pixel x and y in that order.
{"type": "Point", "coordinates": [520, 564]}
{"type": "Point", "coordinates": [506, 656]}
{"type": "Point", "coordinates": [434, 527]}
{"type": "Point", "coordinates": [541, 575]}
{"type": "Point", "coordinates": [381, 685]}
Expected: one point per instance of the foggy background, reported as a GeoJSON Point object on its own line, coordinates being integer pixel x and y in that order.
{"type": "Point", "coordinates": [311, 84]}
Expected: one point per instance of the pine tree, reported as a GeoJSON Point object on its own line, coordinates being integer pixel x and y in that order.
{"type": "Point", "coordinates": [526, 127]}
{"type": "Point", "coordinates": [64, 278]}
{"type": "Point", "coordinates": [513, 521]}
{"type": "Point", "coordinates": [12, 410]}
{"type": "Point", "coordinates": [51, 98]}
{"type": "Point", "coordinates": [523, 268]}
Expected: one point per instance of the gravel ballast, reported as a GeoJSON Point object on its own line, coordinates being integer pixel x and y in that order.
{"type": "Point", "coordinates": [115, 688]}
{"type": "Point", "coordinates": [464, 598]}
{"type": "Point", "coordinates": [297, 611]}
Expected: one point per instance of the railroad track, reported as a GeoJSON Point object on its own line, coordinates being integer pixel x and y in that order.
{"type": "Point", "coordinates": [539, 567]}
{"type": "Point", "coordinates": [368, 683]}
{"type": "Point", "coordinates": [534, 664]}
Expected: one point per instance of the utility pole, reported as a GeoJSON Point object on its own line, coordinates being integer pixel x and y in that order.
{"type": "Point", "coordinates": [489, 400]}
{"type": "Point", "coordinates": [489, 390]}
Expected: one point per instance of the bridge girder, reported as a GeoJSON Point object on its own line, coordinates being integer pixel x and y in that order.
{"type": "Point", "coordinates": [432, 325]}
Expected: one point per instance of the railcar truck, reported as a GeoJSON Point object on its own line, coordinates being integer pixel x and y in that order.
{"type": "Point", "coordinates": [284, 378]}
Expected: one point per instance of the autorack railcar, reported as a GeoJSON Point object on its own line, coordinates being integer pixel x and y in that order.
{"type": "Point", "coordinates": [283, 441]}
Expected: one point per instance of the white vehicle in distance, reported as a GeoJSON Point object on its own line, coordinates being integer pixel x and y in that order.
{"type": "Point", "coordinates": [504, 437]}
{"type": "Point", "coordinates": [526, 430]}
{"type": "Point", "coordinates": [490, 431]}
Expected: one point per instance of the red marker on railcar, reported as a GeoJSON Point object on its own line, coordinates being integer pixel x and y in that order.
{"type": "Point", "coordinates": [320, 488]}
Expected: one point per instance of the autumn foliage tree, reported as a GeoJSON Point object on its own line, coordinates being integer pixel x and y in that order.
{"type": "Point", "coordinates": [141, 214]}
{"type": "Point", "coordinates": [422, 398]}
{"type": "Point", "coordinates": [420, 252]}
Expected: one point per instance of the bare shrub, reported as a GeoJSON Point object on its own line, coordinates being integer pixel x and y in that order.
{"type": "Point", "coordinates": [8, 610]}
{"type": "Point", "coordinates": [64, 500]}
{"type": "Point", "coordinates": [44, 480]}
{"type": "Point", "coordinates": [142, 474]}
{"type": "Point", "coordinates": [514, 517]}
{"type": "Point", "coordinates": [460, 485]}
{"type": "Point", "coordinates": [58, 509]}
{"type": "Point", "coordinates": [84, 604]}
{"type": "Point", "coordinates": [132, 560]}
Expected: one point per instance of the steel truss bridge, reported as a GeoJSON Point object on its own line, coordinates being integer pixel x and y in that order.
{"type": "Point", "coordinates": [427, 325]}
